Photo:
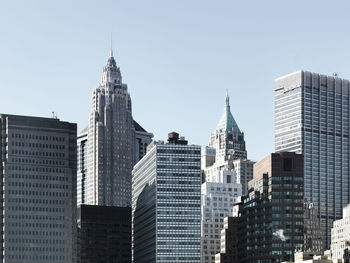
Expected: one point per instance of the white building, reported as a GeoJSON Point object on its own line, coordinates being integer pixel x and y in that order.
{"type": "Point", "coordinates": [340, 236]}
{"type": "Point", "coordinates": [226, 152]}
{"type": "Point", "coordinates": [218, 199]}
{"type": "Point", "coordinates": [244, 172]}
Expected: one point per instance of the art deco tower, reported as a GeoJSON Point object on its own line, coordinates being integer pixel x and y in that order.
{"type": "Point", "coordinates": [111, 141]}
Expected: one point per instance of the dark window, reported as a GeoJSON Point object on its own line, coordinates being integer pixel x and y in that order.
{"type": "Point", "coordinates": [287, 164]}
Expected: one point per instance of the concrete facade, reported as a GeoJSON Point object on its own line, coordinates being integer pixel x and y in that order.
{"type": "Point", "coordinates": [38, 175]}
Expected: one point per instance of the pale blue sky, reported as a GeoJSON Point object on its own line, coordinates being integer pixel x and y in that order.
{"type": "Point", "coordinates": [177, 57]}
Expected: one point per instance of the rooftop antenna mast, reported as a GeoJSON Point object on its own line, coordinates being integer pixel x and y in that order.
{"type": "Point", "coordinates": [111, 52]}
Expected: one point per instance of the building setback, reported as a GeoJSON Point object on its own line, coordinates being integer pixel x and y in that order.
{"type": "Point", "coordinates": [142, 140]}
{"type": "Point", "coordinates": [38, 175]}
{"type": "Point", "coordinates": [218, 197]}
{"type": "Point", "coordinates": [271, 216]}
{"type": "Point", "coordinates": [112, 135]}
{"type": "Point", "coordinates": [312, 117]}
{"type": "Point", "coordinates": [104, 234]}
{"type": "Point", "coordinates": [166, 205]}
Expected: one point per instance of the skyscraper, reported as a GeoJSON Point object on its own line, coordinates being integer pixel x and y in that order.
{"type": "Point", "coordinates": [81, 166]}
{"type": "Point", "coordinates": [111, 141]}
{"type": "Point", "coordinates": [228, 139]}
{"type": "Point", "coordinates": [312, 117]}
{"type": "Point", "coordinates": [166, 205]}
{"type": "Point", "coordinates": [38, 188]}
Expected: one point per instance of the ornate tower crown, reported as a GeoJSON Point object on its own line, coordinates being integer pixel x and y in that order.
{"type": "Point", "coordinates": [227, 123]}
{"type": "Point", "coordinates": [111, 72]}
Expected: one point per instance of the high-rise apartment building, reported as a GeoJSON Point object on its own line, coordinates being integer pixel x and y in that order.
{"type": "Point", "coordinates": [38, 188]}
{"type": "Point", "coordinates": [271, 215]}
{"type": "Point", "coordinates": [166, 205]}
{"type": "Point", "coordinates": [312, 117]}
{"type": "Point", "coordinates": [104, 234]}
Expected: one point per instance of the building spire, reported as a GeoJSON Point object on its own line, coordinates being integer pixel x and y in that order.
{"type": "Point", "coordinates": [111, 52]}
{"type": "Point", "coordinates": [227, 101]}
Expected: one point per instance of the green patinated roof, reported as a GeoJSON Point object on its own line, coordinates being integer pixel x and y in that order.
{"type": "Point", "coordinates": [227, 122]}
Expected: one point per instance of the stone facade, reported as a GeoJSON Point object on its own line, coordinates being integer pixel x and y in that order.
{"type": "Point", "coordinates": [111, 141]}
{"type": "Point", "coordinates": [340, 244]}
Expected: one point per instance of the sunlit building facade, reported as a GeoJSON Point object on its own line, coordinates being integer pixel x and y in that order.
{"type": "Point", "coordinates": [166, 204]}
{"type": "Point", "coordinates": [312, 117]}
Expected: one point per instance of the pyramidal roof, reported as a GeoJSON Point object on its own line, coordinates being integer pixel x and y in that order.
{"type": "Point", "coordinates": [227, 122]}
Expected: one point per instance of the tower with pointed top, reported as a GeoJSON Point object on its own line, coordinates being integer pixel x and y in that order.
{"type": "Point", "coordinates": [228, 139]}
{"type": "Point", "coordinates": [111, 141]}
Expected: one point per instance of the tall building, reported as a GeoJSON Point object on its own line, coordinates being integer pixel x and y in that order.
{"type": "Point", "coordinates": [312, 117]}
{"type": "Point", "coordinates": [38, 188]}
{"type": "Point", "coordinates": [166, 205]}
{"type": "Point", "coordinates": [82, 167]}
{"type": "Point", "coordinates": [112, 139]}
{"type": "Point", "coordinates": [142, 140]}
{"type": "Point", "coordinates": [104, 234]}
{"type": "Point", "coordinates": [271, 216]}
{"type": "Point", "coordinates": [244, 173]}
{"type": "Point", "coordinates": [218, 197]}
{"type": "Point", "coordinates": [228, 139]}
{"type": "Point", "coordinates": [340, 243]}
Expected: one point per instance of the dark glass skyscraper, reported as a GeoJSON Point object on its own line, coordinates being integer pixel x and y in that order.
{"type": "Point", "coordinates": [312, 117]}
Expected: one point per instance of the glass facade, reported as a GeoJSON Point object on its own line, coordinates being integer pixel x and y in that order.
{"type": "Point", "coordinates": [166, 205]}
{"type": "Point", "coordinates": [312, 117]}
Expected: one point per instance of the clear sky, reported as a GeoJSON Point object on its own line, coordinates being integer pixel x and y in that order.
{"type": "Point", "coordinates": [177, 57]}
